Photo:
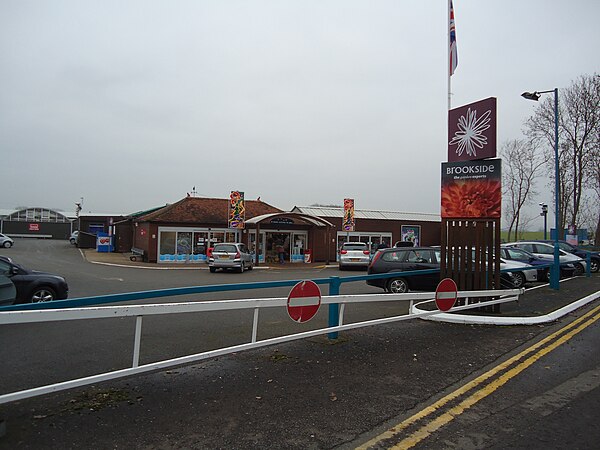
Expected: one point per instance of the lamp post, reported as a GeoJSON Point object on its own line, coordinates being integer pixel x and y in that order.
{"type": "Point", "coordinates": [545, 214]}
{"type": "Point", "coordinates": [555, 276]}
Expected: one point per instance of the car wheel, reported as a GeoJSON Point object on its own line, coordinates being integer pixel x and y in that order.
{"type": "Point", "coordinates": [7, 244]}
{"type": "Point", "coordinates": [397, 286]}
{"type": "Point", "coordinates": [212, 269]}
{"type": "Point", "coordinates": [546, 276]}
{"type": "Point", "coordinates": [594, 265]}
{"type": "Point", "coordinates": [72, 241]}
{"type": "Point", "coordinates": [42, 294]}
{"type": "Point", "coordinates": [340, 267]}
{"type": "Point", "coordinates": [579, 269]}
{"type": "Point", "coordinates": [518, 280]}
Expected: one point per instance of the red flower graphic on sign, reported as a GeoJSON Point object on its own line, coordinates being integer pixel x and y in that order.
{"type": "Point", "coordinates": [473, 198]}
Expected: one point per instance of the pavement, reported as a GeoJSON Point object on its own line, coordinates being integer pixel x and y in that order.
{"type": "Point", "coordinates": [122, 259]}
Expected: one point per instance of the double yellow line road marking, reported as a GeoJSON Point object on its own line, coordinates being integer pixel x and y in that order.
{"type": "Point", "coordinates": [485, 384]}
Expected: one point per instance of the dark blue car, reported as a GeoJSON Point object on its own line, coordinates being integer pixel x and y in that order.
{"type": "Point", "coordinates": [518, 254]}
{"type": "Point", "coordinates": [582, 253]}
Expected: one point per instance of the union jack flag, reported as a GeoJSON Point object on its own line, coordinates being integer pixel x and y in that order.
{"type": "Point", "coordinates": [453, 50]}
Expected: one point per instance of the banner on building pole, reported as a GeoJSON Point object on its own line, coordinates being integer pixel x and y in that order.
{"type": "Point", "coordinates": [237, 210]}
{"type": "Point", "coordinates": [348, 222]}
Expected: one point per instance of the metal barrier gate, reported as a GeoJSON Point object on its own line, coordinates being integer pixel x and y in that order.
{"type": "Point", "coordinates": [140, 311]}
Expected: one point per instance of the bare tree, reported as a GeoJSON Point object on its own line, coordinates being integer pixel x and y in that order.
{"type": "Point", "coordinates": [579, 118]}
{"type": "Point", "coordinates": [593, 179]}
{"type": "Point", "coordinates": [521, 165]}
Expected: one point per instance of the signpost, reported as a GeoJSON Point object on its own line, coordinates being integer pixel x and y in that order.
{"type": "Point", "coordinates": [446, 294]}
{"type": "Point", "coordinates": [304, 301]}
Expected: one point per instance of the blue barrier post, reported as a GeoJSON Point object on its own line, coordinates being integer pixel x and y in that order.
{"type": "Point", "coordinates": [588, 260]}
{"type": "Point", "coordinates": [334, 308]}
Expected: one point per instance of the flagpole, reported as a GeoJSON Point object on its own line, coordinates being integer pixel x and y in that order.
{"type": "Point", "coordinates": [448, 52]}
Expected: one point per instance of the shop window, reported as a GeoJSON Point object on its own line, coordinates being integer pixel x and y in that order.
{"type": "Point", "coordinates": [184, 243]}
{"type": "Point", "coordinates": [167, 242]}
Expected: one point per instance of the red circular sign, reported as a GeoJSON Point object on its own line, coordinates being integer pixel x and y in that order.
{"type": "Point", "coordinates": [304, 301]}
{"type": "Point", "coordinates": [446, 294]}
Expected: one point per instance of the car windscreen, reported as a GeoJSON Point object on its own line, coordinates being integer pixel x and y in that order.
{"type": "Point", "coordinates": [225, 248]}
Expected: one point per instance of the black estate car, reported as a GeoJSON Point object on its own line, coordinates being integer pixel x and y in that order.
{"type": "Point", "coordinates": [402, 259]}
{"type": "Point", "coordinates": [33, 286]}
{"type": "Point", "coordinates": [405, 259]}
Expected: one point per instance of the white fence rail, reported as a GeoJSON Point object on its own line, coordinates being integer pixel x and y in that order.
{"type": "Point", "coordinates": [140, 311]}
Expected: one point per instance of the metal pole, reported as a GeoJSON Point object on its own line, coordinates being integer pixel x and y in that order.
{"type": "Point", "coordinates": [334, 308]}
{"type": "Point", "coordinates": [554, 280]}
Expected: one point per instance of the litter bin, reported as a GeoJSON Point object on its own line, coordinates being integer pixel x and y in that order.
{"type": "Point", "coordinates": [307, 255]}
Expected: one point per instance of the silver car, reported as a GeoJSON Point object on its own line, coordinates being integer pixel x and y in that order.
{"type": "Point", "coordinates": [546, 253]}
{"type": "Point", "coordinates": [5, 241]}
{"type": "Point", "coordinates": [231, 255]}
{"type": "Point", "coordinates": [354, 254]}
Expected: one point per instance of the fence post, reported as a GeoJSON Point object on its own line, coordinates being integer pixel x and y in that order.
{"type": "Point", "coordinates": [334, 308]}
{"type": "Point", "coordinates": [588, 260]}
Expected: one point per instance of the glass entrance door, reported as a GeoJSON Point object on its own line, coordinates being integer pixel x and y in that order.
{"type": "Point", "coordinates": [299, 242]}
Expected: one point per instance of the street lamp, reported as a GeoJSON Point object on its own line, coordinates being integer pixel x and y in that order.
{"type": "Point", "coordinates": [555, 276]}
{"type": "Point", "coordinates": [545, 214]}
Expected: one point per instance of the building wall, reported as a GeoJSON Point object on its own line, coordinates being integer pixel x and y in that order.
{"type": "Point", "coordinates": [51, 230]}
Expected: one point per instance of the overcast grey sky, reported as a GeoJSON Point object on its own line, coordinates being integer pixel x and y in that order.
{"type": "Point", "coordinates": [129, 104]}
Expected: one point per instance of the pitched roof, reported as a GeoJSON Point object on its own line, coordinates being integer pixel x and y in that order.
{"type": "Point", "coordinates": [335, 211]}
{"type": "Point", "coordinates": [205, 210]}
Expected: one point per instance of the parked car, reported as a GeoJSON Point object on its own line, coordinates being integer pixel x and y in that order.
{"type": "Point", "coordinates": [230, 255]}
{"type": "Point", "coordinates": [522, 272]}
{"type": "Point", "coordinates": [354, 254]}
{"type": "Point", "coordinates": [406, 259]}
{"type": "Point", "coordinates": [33, 286]}
{"type": "Point", "coordinates": [518, 254]}
{"type": "Point", "coordinates": [73, 238]}
{"type": "Point", "coordinates": [546, 252]}
{"type": "Point", "coordinates": [5, 241]}
{"type": "Point", "coordinates": [582, 253]}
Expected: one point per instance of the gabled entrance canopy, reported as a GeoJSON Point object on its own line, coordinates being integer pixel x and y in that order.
{"type": "Point", "coordinates": [315, 221]}
{"type": "Point", "coordinates": [307, 218]}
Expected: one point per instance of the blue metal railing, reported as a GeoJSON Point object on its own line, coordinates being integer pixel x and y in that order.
{"type": "Point", "coordinates": [334, 283]}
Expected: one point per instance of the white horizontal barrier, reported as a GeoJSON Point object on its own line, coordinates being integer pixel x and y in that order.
{"type": "Point", "coordinates": [139, 311]}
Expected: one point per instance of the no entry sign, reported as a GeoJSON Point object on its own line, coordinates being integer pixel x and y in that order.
{"type": "Point", "coordinates": [446, 294]}
{"type": "Point", "coordinates": [304, 301]}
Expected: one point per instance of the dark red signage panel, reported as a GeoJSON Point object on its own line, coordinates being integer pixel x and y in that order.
{"type": "Point", "coordinates": [472, 131]}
